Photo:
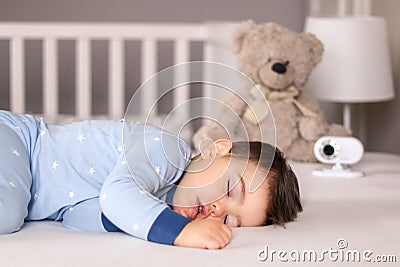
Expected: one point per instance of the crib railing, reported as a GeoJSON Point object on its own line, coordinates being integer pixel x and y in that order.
{"type": "Point", "coordinates": [116, 34]}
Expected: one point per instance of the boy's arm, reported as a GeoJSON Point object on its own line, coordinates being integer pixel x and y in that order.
{"type": "Point", "coordinates": [153, 161]}
{"type": "Point", "coordinates": [138, 214]}
{"type": "Point", "coordinates": [168, 227]}
{"type": "Point", "coordinates": [128, 197]}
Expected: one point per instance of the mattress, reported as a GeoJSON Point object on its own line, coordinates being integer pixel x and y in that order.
{"type": "Point", "coordinates": [358, 216]}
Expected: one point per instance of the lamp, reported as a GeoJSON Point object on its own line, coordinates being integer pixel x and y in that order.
{"type": "Point", "coordinates": [356, 66]}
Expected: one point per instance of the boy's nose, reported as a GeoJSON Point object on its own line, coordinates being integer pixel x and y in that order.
{"type": "Point", "coordinates": [217, 208]}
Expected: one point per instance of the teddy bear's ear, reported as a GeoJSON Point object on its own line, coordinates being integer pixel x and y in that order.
{"type": "Point", "coordinates": [240, 33]}
{"type": "Point", "coordinates": [315, 45]}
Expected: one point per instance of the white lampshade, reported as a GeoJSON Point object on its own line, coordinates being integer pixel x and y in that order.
{"type": "Point", "coordinates": [355, 66]}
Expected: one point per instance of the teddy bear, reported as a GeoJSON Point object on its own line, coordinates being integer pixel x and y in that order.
{"type": "Point", "coordinates": [279, 62]}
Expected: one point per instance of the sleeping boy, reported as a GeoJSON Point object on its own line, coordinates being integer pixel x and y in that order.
{"type": "Point", "coordinates": [107, 176]}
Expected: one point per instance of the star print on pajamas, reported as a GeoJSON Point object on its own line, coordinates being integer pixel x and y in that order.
{"type": "Point", "coordinates": [87, 156]}
{"type": "Point", "coordinates": [43, 132]}
{"type": "Point", "coordinates": [54, 165]}
{"type": "Point", "coordinates": [71, 194]}
{"type": "Point", "coordinates": [157, 169]}
{"type": "Point", "coordinates": [15, 152]}
{"type": "Point", "coordinates": [91, 170]}
{"type": "Point", "coordinates": [81, 137]}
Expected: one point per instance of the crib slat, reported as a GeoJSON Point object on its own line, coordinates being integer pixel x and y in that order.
{"type": "Point", "coordinates": [314, 7]}
{"type": "Point", "coordinates": [17, 75]}
{"type": "Point", "coordinates": [207, 106]}
{"type": "Point", "coordinates": [116, 88]}
{"type": "Point", "coordinates": [50, 78]}
{"type": "Point", "coordinates": [341, 8]}
{"type": "Point", "coordinates": [361, 7]}
{"type": "Point", "coordinates": [181, 55]}
{"type": "Point", "coordinates": [83, 79]}
{"type": "Point", "coordinates": [148, 68]}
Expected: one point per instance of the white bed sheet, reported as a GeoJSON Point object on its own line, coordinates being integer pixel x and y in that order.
{"type": "Point", "coordinates": [363, 211]}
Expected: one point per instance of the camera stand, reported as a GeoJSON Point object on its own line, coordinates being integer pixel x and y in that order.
{"type": "Point", "coordinates": [338, 170]}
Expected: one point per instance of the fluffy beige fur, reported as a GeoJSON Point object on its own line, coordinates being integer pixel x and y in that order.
{"type": "Point", "coordinates": [279, 61]}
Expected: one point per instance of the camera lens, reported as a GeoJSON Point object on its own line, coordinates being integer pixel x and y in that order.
{"type": "Point", "coordinates": [329, 150]}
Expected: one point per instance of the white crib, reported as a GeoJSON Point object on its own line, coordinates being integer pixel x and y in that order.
{"type": "Point", "coordinates": [216, 37]}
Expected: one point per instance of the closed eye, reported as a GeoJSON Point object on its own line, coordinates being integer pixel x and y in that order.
{"type": "Point", "coordinates": [231, 221]}
{"type": "Point", "coordinates": [238, 189]}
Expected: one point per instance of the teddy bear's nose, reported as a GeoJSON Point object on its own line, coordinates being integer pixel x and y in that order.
{"type": "Point", "coordinates": [279, 68]}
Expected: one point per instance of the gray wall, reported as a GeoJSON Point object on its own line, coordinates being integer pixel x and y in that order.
{"type": "Point", "coordinates": [287, 12]}
{"type": "Point", "coordinates": [124, 11]}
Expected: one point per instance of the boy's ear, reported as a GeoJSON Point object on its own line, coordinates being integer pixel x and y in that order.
{"type": "Point", "coordinates": [219, 148]}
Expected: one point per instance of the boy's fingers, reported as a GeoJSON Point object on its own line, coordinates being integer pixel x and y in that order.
{"type": "Point", "coordinates": [217, 243]}
{"type": "Point", "coordinates": [225, 240]}
{"type": "Point", "coordinates": [218, 240]}
{"type": "Point", "coordinates": [226, 236]}
{"type": "Point", "coordinates": [214, 246]}
{"type": "Point", "coordinates": [227, 230]}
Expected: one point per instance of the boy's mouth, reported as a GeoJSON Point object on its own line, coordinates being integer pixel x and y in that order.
{"type": "Point", "coordinates": [199, 211]}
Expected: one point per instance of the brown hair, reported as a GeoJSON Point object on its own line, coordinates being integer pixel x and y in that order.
{"type": "Point", "coordinates": [283, 189]}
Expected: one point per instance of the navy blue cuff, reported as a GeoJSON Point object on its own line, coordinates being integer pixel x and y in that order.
{"type": "Point", "coordinates": [109, 226]}
{"type": "Point", "coordinates": [167, 227]}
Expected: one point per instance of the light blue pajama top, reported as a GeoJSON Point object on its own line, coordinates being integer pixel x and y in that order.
{"type": "Point", "coordinates": [87, 159]}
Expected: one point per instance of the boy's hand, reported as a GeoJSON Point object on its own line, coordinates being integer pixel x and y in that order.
{"type": "Point", "coordinates": [205, 233]}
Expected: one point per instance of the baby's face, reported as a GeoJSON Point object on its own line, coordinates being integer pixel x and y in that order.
{"type": "Point", "coordinates": [219, 189]}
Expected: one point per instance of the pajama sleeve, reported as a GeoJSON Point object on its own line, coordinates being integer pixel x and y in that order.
{"type": "Point", "coordinates": [152, 161]}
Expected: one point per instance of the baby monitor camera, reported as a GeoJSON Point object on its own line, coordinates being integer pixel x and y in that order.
{"type": "Point", "coordinates": [339, 151]}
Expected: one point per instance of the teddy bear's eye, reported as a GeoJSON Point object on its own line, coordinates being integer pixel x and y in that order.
{"type": "Point", "coordinates": [269, 60]}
